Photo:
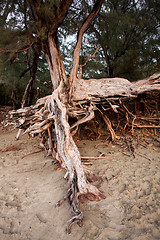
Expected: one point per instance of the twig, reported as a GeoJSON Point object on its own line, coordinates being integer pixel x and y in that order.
{"type": "Point", "coordinates": [113, 177]}
{"type": "Point", "coordinates": [155, 139]}
{"type": "Point", "coordinates": [149, 118]}
{"type": "Point", "coordinates": [26, 170]}
{"type": "Point", "coordinates": [40, 150]}
{"type": "Point", "coordinates": [126, 154]}
{"type": "Point", "coordinates": [144, 156]}
{"type": "Point", "coordinates": [91, 57]}
{"type": "Point", "coordinates": [87, 163]}
{"type": "Point", "coordinates": [81, 66]}
{"type": "Point", "coordinates": [146, 126]}
{"type": "Point", "coordinates": [142, 145]}
{"type": "Point", "coordinates": [93, 158]}
{"type": "Point", "coordinates": [18, 50]}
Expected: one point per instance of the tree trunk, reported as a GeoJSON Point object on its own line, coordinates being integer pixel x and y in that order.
{"type": "Point", "coordinates": [109, 66]}
{"type": "Point", "coordinates": [57, 105]}
{"type": "Point", "coordinates": [29, 88]}
{"type": "Point", "coordinates": [94, 89]}
{"type": "Point", "coordinates": [67, 152]}
{"type": "Point", "coordinates": [13, 96]}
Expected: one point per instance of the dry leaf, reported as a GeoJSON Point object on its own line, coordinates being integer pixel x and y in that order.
{"type": "Point", "coordinates": [155, 149]}
{"type": "Point", "coordinates": [150, 145]}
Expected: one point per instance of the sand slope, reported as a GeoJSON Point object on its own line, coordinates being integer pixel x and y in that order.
{"type": "Point", "coordinates": [30, 186]}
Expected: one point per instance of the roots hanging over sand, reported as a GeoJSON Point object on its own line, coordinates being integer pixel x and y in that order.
{"type": "Point", "coordinates": [49, 118]}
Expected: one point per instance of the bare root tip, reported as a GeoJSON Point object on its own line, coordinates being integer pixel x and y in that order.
{"type": "Point", "coordinates": [91, 177]}
{"type": "Point", "coordinates": [75, 219]}
{"type": "Point", "coordinates": [91, 196]}
{"type": "Point", "coordinates": [60, 202]}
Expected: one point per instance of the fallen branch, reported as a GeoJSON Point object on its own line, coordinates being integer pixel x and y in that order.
{"type": "Point", "coordinates": [143, 156]}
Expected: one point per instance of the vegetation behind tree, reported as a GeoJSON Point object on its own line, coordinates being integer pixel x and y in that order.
{"type": "Point", "coordinates": [126, 32]}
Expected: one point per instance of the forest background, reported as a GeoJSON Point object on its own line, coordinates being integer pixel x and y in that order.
{"type": "Point", "coordinates": [125, 36]}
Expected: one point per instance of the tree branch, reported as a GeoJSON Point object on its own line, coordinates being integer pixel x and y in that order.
{"type": "Point", "coordinates": [63, 9]}
{"type": "Point", "coordinates": [84, 64]}
{"type": "Point", "coordinates": [33, 4]}
{"type": "Point", "coordinates": [22, 49]}
{"type": "Point", "coordinates": [59, 13]}
{"type": "Point", "coordinates": [24, 72]}
{"type": "Point", "coordinates": [83, 28]}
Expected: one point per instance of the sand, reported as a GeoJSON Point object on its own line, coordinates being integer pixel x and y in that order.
{"type": "Point", "coordinates": [30, 186]}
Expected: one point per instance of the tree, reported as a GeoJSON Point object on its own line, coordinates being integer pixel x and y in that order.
{"type": "Point", "coordinates": [47, 16]}
{"type": "Point", "coordinates": [49, 117]}
{"type": "Point", "coordinates": [21, 57]}
{"type": "Point", "coordinates": [128, 32]}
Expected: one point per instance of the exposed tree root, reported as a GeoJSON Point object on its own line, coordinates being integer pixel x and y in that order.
{"type": "Point", "coordinates": [109, 126]}
{"type": "Point", "coordinates": [78, 215]}
{"type": "Point", "coordinates": [48, 118]}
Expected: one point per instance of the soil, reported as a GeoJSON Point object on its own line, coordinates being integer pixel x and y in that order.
{"type": "Point", "coordinates": [30, 186]}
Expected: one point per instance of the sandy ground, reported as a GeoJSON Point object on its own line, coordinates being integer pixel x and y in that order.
{"type": "Point", "coordinates": [30, 186]}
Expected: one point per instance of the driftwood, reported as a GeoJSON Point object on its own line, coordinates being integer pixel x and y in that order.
{"type": "Point", "coordinates": [49, 118]}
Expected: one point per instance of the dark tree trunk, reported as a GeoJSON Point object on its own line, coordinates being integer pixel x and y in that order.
{"type": "Point", "coordinates": [14, 99]}
{"type": "Point", "coordinates": [108, 61]}
{"type": "Point", "coordinates": [29, 92]}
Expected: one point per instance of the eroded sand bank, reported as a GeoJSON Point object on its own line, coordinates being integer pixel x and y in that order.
{"type": "Point", "coordinates": [30, 186]}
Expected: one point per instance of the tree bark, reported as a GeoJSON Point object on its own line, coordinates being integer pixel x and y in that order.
{"type": "Point", "coordinates": [54, 59]}
{"type": "Point", "coordinates": [33, 69]}
{"type": "Point", "coordinates": [106, 88]}
{"type": "Point", "coordinates": [67, 151]}
{"type": "Point", "coordinates": [76, 53]}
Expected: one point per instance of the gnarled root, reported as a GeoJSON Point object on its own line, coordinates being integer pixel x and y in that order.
{"type": "Point", "coordinates": [49, 119]}
{"type": "Point", "coordinates": [78, 215]}
{"type": "Point", "coordinates": [70, 156]}
{"type": "Point", "coordinates": [93, 194]}
{"type": "Point", "coordinates": [75, 197]}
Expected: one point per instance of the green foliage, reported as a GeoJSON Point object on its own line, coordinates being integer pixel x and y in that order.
{"type": "Point", "coordinates": [10, 81]}
{"type": "Point", "coordinates": [129, 35]}
{"type": "Point", "coordinates": [17, 46]}
{"type": "Point", "coordinates": [127, 30]}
